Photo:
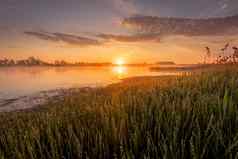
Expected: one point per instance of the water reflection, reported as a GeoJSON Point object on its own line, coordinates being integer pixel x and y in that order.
{"type": "Point", "coordinates": [120, 71]}
{"type": "Point", "coordinates": [18, 81]}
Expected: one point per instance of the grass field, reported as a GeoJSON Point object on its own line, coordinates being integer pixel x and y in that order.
{"type": "Point", "coordinates": [189, 116]}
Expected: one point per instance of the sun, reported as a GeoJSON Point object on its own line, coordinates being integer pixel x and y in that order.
{"type": "Point", "coordinates": [119, 61]}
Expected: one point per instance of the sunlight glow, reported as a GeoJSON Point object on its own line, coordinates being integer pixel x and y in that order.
{"type": "Point", "coordinates": [120, 71]}
{"type": "Point", "coordinates": [120, 61]}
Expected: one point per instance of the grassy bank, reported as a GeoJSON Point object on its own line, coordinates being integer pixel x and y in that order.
{"type": "Point", "coordinates": [190, 116]}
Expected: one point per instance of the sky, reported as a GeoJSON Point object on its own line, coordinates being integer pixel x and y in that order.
{"type": "Point", "coordinates": [104, 30]}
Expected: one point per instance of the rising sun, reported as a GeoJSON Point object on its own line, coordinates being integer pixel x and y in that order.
{"type": "Point", "coordinates": [119, 61]}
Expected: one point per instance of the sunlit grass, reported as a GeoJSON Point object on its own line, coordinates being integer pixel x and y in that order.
{"type": "Point", "coordinates": [192, 116]}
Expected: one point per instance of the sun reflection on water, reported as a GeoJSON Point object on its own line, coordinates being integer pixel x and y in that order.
{"type": "Point", "coordinates": [120, 71]}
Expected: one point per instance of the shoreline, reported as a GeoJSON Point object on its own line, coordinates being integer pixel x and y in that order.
{"type": "Point", "coordinates": [38, 99]}
{"type": "Point", "coordinates": [29, 102]}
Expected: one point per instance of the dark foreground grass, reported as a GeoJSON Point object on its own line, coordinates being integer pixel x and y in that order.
{"type": "Point", "coordinates": [169, 117]}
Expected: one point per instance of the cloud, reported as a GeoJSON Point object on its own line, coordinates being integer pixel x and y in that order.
{"type": "Point", "coordinates": [183, 26]}
{"type": "Point", "coordinates": [130, 38]}
{"type": "Point", "coordinates": [66, 38]}
{"type": "Point", "coordinates": [98, 39]}
{"type": "Point", "coordinates": [43, 36]}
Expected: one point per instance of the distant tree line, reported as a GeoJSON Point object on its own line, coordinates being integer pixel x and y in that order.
{"type": "Point", "coordinates": [32, 61]}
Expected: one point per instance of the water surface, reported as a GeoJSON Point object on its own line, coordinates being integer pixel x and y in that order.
{"type": "Point", "coordinates": [21, 81]}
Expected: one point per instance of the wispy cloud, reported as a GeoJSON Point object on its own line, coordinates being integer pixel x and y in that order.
{"type": "Point", "coordinates": [43, 36]}
{"type": "Point", "coordinates": [130, 38]}
{"type": "Point", "coordinates": [182, 26]}
{"type": "Point", "coordinates": [98, 39]}
{"type": "Point", "coordinates": [66, 38]}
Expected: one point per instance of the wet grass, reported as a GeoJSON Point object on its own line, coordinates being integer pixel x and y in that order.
{"type": "Point", "coordinates": [190, 116]}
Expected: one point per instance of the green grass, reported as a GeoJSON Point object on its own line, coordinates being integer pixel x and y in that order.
{"type": "Point", "coordinates": [190, 116]}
